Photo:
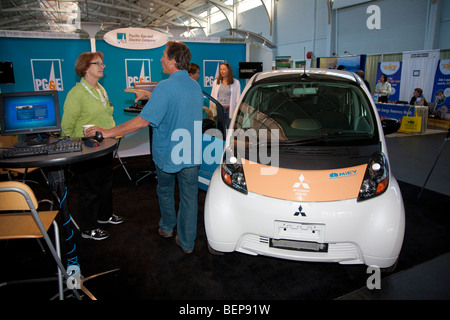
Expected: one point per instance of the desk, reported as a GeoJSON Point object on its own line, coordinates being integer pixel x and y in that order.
{"type": "Point", "coordinates": [398, 111]}
{"type": "Point", "coordinates": [56, 164]}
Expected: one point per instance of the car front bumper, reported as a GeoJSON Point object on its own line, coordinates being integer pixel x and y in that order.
{"type": "Point", "coordinates": [349, 232]}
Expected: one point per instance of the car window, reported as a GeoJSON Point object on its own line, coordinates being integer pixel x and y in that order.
{"type": "Point", "coordinates": [314, 111]}
{"type": "Point", "coordinates": [211, 121]}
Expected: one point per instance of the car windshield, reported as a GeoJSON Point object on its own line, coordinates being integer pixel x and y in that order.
{"type": "Point", "coordinates": [307, 111]}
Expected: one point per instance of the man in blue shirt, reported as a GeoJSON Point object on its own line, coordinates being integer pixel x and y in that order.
{"type": "Point", "coordinates": [174, 110]}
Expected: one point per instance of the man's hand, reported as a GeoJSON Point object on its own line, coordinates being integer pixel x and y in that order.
{"type": "Point", "coordinates": [90, 132]}
{"type": "Point", "coordinates": [128, 127]}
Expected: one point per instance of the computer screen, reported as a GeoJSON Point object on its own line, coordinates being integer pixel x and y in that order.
{"type": "Point", "coordinates": [149, 86]}
{"type": "Point", "coordinates": [29, 113]}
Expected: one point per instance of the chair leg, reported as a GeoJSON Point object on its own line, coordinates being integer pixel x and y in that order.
{"type": "Point", "coordinates": [121, 163]}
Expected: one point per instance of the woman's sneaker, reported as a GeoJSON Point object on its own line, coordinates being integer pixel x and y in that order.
{"type": "Point", "coordinates": [115, 219]}
{"type": "Point", "coordinates": [96, 234]}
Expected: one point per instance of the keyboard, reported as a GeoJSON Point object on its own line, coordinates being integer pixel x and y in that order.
{"type": "Point", "coordinates": [62, 146]}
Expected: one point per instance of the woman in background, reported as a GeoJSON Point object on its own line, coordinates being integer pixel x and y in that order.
{"type": "Point", "coordinates": [227, 90]}
{"type": "Point", "coordinates": [383, 88]}
{"type": "Point", "coordinates": [418, 98]}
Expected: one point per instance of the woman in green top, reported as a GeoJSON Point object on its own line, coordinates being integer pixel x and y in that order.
{"type": "Point", "coordinates": [88, 103]}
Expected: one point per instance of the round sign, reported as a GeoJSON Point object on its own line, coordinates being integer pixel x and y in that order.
{"type": "Point", "coordinates": [135, 38]}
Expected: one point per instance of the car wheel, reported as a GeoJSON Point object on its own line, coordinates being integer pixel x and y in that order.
{"type": "Point", "coordinates": [391, 268]}
{"type": "Point", "coordinates": [214, 252]}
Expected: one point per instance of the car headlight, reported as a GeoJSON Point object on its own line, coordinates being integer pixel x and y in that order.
{"type": "Point", "coordinates": [232, 172]}
{"type": "Point", "coordinates": [376, 178]}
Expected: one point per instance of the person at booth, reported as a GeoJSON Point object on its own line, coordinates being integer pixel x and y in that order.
{"type": "Point", "coordinates": [194, 73]}
{"type": "Point", "coordinates": [87, 104]}
{"type": "Point", "coordinates": [175, 106]}
{"type": "Point", "coordinates": [227, 90]}
{"type": "Point", "coordinates": [361, 74]}
{"type": "Point", "coordinates": [383, 88]}
{"type": "Point", "coordinates": [418, 98]}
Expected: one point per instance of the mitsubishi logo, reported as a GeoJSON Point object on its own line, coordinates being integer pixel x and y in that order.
{"type": "Point", "coordinates": [300, 212]}
{"type": "Point", "coordinates": [301, 183]}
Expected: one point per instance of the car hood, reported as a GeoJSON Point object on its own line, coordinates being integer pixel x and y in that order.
{"type": "Point", "coordinates": [304, 185]}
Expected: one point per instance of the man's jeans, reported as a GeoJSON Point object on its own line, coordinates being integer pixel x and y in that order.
{"type": "Point", "coordinates": [186, 220]}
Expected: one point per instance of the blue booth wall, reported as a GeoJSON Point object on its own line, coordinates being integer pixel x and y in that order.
{"type": "Point", "coordinates": [33, 60]}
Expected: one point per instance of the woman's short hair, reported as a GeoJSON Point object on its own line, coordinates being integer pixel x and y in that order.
{"type": "Point", "coordinates": [84, 62]}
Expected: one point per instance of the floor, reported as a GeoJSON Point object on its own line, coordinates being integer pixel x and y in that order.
{"type": "Point", "coordinates": [422, 160]}
{"type": "Point", "coordinates": [204, 277]}
{"type": "Point", "coordinates": [413, 157]}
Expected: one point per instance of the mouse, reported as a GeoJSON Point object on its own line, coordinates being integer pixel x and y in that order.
{"type": "Point", "coordinates": [91, 143]}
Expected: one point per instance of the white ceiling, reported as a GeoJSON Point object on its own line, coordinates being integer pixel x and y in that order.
{"type": "Point", "coordinates": [76, 16]}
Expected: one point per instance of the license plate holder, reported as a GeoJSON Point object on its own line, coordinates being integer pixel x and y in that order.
{"type": "Point", "coordinates": [298, 245]}
{"type": "Point", "coordinates": [299, 231]}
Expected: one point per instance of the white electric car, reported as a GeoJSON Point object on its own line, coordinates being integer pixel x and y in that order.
{"type": "Point", "coordinates": [305, 173]}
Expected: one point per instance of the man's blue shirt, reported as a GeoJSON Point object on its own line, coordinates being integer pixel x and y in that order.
{"type": "Point", "coordinates": [174, 110]}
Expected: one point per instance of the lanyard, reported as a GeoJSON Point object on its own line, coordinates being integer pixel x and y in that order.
{"type": "Point", "coordinates": [103, 99]}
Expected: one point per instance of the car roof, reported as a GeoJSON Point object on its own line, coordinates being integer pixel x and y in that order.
{"type": "Point", "coordinates": [343, 75]}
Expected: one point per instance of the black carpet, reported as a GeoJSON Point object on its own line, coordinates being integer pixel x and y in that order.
{"type": "Point", "coordinates": [152, 268]}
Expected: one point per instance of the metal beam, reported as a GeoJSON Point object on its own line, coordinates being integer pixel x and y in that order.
{"type": "Point", "coordinates": [178, 9]}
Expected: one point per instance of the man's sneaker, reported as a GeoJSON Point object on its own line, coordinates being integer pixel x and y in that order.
{"type": "Point", "coordinates": [115, 219]}
{"type": "Point", "coordinates": [96, 234]}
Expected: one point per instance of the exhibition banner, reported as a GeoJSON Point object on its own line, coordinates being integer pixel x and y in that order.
{"type": "Point", "coordinates": [393, 71]}
{"type": "Point", "coordinates": [441, 90]}
{"type": "Point", "coordinates": [392, 111]}
{"type": "Point", "coordinates": [351, 63]}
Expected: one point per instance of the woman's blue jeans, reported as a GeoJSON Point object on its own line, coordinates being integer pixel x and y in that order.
{"type": "Point", "coordinates": [186, 218]}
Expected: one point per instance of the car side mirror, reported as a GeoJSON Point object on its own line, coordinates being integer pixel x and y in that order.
{"type": "Point", "coordinates": [390, 125]}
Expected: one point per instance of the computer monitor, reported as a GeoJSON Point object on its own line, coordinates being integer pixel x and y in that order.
{"type": "Point", "coordinates": [34, 114]}
{"type": "Point", "coordinates": [6, 72]}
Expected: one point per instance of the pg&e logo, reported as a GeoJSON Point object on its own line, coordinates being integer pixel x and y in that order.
{"type": "Point", "coordinates": [47, 74]}
{"type": "Point", "coordinates": [137, 70]}
{"type": "Point", "coordinates": [121, 38]}
{"type": "Point", "coordinates": [211, 70]}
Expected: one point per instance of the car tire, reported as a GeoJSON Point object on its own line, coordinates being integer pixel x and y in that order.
{"type": "Point", "coordinates": [391, 268]}
{"type": "Point", "coordinates": [214, 252]}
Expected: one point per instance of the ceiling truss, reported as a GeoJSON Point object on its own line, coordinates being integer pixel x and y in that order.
{"type": "Point", "coordinates": [179, 16]}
